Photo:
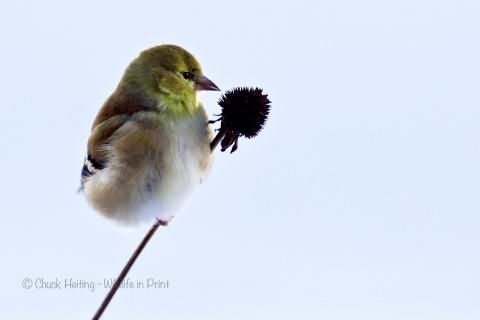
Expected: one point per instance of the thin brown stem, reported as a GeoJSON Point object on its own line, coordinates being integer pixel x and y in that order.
{"type": "Point", "coordinates": [126, 268]}
{"type": "Point", "coordinates": [217, 139]}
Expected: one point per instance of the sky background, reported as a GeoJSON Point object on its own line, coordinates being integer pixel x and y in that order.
{"type": "Point", "coordinates": [359, 200]}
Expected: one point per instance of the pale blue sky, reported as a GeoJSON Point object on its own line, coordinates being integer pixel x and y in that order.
{"type": "Point", "coordinates": [359, 200]}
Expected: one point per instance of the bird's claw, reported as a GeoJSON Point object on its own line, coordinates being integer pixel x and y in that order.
{"type": "Point", "coordinates": [163, 223]}
{"type": "Point", "coordinates": [214, 121]}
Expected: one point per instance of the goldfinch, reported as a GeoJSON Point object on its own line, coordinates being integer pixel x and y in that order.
{"type": "Point", "coordinates": [150, 142]}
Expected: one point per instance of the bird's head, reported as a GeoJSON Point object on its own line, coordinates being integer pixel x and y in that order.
{"type": "Point", "coordinates": [170, 74]}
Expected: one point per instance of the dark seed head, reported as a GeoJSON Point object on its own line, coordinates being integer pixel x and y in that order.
{"type": "Point", "coordinates": [244, 110]}
{"type": "Point", "coordinates": [244, 113]}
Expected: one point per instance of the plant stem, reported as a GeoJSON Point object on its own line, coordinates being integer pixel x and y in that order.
{"type": "Point", "coordinates": [217, 139]}
{"type": "Point", "coordinates": [126, 268]}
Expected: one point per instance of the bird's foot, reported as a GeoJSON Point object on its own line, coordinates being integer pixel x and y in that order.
{"type": "Point", "coordinates": [164, 222]}
{"type": "Point", "coordinates": [216, 120]}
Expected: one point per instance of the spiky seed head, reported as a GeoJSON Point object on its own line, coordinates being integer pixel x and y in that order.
{"type": "Point", "coordinates": [244, 113]}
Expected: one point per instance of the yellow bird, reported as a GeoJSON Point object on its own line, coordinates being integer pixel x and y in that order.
{"type": "Point", "coordinates": [150, 142]}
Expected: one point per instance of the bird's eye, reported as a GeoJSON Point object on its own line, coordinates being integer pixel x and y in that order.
{"type": "Point", "coordinates": [187, 75]}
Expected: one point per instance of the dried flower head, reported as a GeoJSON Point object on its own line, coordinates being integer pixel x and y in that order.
{"type": "Point", "coordinates": [244, 113]}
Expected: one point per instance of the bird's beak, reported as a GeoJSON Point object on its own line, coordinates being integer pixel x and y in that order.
{"type": "Point", "coordinates": [203, 83]}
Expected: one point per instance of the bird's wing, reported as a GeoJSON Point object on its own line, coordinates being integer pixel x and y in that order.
{"type": "Point", "coordinates": [97, 154]}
